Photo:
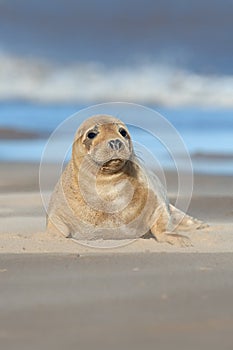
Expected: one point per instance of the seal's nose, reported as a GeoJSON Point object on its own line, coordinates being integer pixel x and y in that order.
{"type": "Point", "coordinates": [116, 144]}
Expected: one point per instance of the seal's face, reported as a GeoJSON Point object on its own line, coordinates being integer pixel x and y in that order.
{"type": "Point", "coordinates": [106, 141]}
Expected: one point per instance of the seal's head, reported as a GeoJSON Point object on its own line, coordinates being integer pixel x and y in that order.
{"type": "Point", "coordinates": [105, 142]}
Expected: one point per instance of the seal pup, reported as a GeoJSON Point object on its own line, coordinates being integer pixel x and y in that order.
{"type": "Point", "coordinates": [105, 192]}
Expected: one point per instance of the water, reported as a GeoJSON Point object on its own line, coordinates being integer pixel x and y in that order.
{"type": "Point", "coordinates": [155, 82]}
{"type": "Point", "coordinates": [208, 134]}
{"type": "Point", "coordinates": [165, 53]}
{"type": "Point", "coordinates": [195, 34]}
{"type": "Point", "coordinates": [57, 57]}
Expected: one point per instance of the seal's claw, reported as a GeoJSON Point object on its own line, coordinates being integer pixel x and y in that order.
{"type": "Point", "coordinates": [175, 239]}
{"type": "Point", "coordinates": [200, 224]}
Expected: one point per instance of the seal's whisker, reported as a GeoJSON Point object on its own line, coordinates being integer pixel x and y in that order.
{"type": "Point", "coordinates": [139, 157]}
{"type": "Point", "coordinates": [138, 152]}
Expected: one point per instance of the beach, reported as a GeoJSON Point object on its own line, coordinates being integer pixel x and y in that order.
{"type": "Point", "coordinates": [56, 293]}
{"type": "Point", "coordinates": [23, 216]}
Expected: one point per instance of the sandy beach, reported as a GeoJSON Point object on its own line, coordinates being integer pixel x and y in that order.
{"type": "Point", "coordinates": [56, 293]}
{"type": "Point", "coordinates": [22, 216]}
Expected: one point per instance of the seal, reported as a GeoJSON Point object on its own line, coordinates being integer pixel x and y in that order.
{"type": "Point", "coordinates": [105, 192]}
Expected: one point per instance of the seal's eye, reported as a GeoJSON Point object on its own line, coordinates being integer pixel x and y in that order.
{"type": "Point", "coordinates": [91, 135]}
{"type": "Point", "coordinates": [123, 132]}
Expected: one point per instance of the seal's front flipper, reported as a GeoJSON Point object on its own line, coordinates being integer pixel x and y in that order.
{"type": "Point", "coordinates": [173, 239]}
{"type": "Point", "coordinates": [162, 232]}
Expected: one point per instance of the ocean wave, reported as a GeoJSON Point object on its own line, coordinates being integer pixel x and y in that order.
{"type": "Point", "coordinates": [35, 80]}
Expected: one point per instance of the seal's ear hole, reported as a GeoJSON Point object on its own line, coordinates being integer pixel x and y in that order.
{"type": "Point", "coordinates": [123, 132]}
{"type": "Point", "coordinates": [91, 134]}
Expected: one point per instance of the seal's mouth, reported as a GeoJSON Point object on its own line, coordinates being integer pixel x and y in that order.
{"type": "Point", "coordinates": [114, 161]}
{"type": "Point", "coordinates": [113, 164]}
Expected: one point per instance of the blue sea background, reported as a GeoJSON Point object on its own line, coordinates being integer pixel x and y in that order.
{"type": "Point", "coordinates": [58, 57]}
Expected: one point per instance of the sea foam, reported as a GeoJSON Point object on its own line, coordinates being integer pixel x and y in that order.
{"type": "Point", "coordinates": [35, 80]}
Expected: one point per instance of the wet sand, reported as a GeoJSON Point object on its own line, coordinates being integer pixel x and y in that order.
{"type": "Point", "coordinates": [57, 294]}
{"type": "Point", "coordinates": [131, 301]}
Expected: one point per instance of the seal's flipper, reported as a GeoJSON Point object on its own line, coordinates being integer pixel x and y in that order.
{"type": "Point", "coordinates": [183, 222]}
{"type": "Point", "coordinates": [161, 230]}
{"type": "Point", "coordinates": [173, 239]}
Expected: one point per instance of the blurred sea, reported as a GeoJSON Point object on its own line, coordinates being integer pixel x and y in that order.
{"type": "Point", "coordinates": [208, 134]}
{"type": "Point", "coordinates": [59, 56]}
{"type": "Point", "coordinates": [166, 53]}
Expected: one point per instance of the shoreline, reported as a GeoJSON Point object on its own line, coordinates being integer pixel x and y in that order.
{"type": "Point", "coordinates": [20, 176]}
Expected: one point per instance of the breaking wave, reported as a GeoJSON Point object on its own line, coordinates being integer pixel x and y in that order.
{"type": "Point", "coordinates": [47, 82]}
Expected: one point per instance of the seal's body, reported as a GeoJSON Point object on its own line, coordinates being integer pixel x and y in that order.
{"type": "Point", "coordinates": [106, 193]}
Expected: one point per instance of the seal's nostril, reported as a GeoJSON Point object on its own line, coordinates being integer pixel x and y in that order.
{"type": "Point", "coordinates": [118, 144]}
{"type": "Point", "coordinates": [111, 144]}
{"type": "Point", "coordinates": [115, 144]}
